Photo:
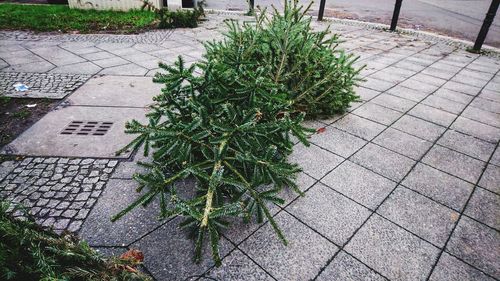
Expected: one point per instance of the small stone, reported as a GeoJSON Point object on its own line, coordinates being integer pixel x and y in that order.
{"type": "Point", "coordinates": [72, 168]}
{"type": "Point", "coordinates": [74, 161]}
{"type": "Point", "coordinates": [63, 161]}
{"type": "Point", "coordinates": [50, 160]}
{"type": "Point", "coordinates": [94, 173]}
{"type": "Point", "coordinates": [57, 177]}
{"type": "Point", "coordinates": [61, 223]}
{"type": "Point", "coordinates": [112, 163]}
{"type": "Point", "coordinates": [63, 205]}
{"type": "Point", "coordinates": [82, 214]}
{"type": "Point", "coordinates": [108, 170]}
{"type": "Point", "coordinates": [66, 180]}
{"type": "Point", "coordinates": [82, 196]}
{"type": "Point", "coordinates": [75, 226]}
{"type": "Point", "coordinates": [69, 213]}
{"type": "Point", "coordinates": [87, 161]}
{"type": "Point", "coordinates": [91, 180]}
{"type": "Point", "coordinates": [49, 222]}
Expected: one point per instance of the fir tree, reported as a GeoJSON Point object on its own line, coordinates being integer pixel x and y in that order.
{"type": "Point", "coordinates": [232, 127]}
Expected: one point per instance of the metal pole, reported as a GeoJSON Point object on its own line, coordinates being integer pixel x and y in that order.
{"type": "Point", "coordinates": [488, 20]}
{"type": "Point", "coordinates": [321, 10]}
{"type": "Point", "coordinates": [395, 15]}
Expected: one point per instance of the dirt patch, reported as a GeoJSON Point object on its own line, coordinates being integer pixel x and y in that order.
{"type": "Point", "coordinates": [17, 115]}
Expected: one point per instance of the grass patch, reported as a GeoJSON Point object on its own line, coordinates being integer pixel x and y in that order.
{"type": "Point", "coordinates": [62, 18]}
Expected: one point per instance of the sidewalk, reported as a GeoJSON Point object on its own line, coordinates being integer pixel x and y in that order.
{"type": "Point", "coordinates": [404, 186]}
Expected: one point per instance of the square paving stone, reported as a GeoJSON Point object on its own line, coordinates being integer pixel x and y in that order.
{"type": "Point", "coordinates": [44, 138]}
{"type": "Point", "coordinates": [450, 268]}
{"type": "Point", "coordinates": [359, 126]}
{"type": "Point", "coordinates": [338, 142]}
{"type": "Point", "coordinates": [420, 215]}
{"type": "Point", "coordinates": [419, 128]}
{"type": "Point", "coordinates": [487, 105]}
{"type": "Point", "coordinates": [377, 85]}
{"type": "Point", "coordinates": [446, 189]}
{"type": "Point", "coordinates": [392, 251]}
{"type": "Point", "coordinates": [483, 116]}
{"type": "Point", "coordinates": [462, 88]}
{"type": "Point", "coordinates": [77, 68]}
{"type": "Point", "coordinates": [444, 104]}
{"type": "Point", "coordinates": [394, 102]}
{"type": "Point", "coordinates": [359, 184]}
{"type": "Point", "coordinates": [329, 213]}
{"type": "Point", "coordinates": [383, 161]}
{"type": "Point", "coordinates": [306, 253]}
{"type": "Point", "coordinates": [490, 178]}
{"type": "Point", "coordinates": [126, 91]}
{"type": "Point", "coordinates": [125, 69]}
{"type": "Point", "coordinates": [238, 267]}
{"type": "Point", "coordinates": [467, 144]}
{"type": "Point", "coordinates": [484, 206]}
{"type": "Point", "coordinates": [314, 161]}
{"type": "Point", "coordinates": [419, 86]}
{"type": "Point", "coordinates": [455, 163]}
{"type": "Point", "coordinates": [168, 253]}
{"type": "Point", "coordinates": [477, 245]}
{"type": "Point", "coordinates": [433, 115]}
{"type": "Point", "coordinates": [453, 96]}
{"type": "Point", "coordinates": [98, 230]}
{"type": "Point", "coordinates": [403, 143]}
{"type": "Point", "coordinates": [345, 267]}
{"type": "Point", "coordinates": [477, 129]}
{"type": "Point", "coordinates": [365, 93]}
{"type": "Point", "coordinates": [406, 93]}
{"type": "Point", "coordinates": [377, 113]}
{"type": "Point", "coordinates": [110, 62]}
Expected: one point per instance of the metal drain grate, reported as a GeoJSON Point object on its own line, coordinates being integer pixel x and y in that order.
{"type": "Point", "coordinates": [87, 128]}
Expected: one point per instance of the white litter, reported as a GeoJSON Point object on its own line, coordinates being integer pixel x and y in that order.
{"type": "Point", "coordinates": [20, 87]}
{"type": "Point", "coordinates": [31, 105]}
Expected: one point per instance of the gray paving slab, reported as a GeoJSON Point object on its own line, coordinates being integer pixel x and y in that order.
{"type": "Point", "coordinates": [483, 116]}
{"type": "Point", "coordinates": [394, 102]}
{"type": "Point", "coordinates": [359, 126]}
{"type": "Point", "coordinates": [450, 268]}
{"type": "Point", "coordinates": [98, 230]}
{"type": "Point", "coordinates": [477, 245]}
{"type": "Point", "coordinates": [476, 129]}
{"type": "Point", "coordinates": [314, 161]}
{"type": "Point", "coordinates": [337, 141]}
{"type": "Point", "coordinates": [403, 143]}
{"type": "Point", "coordinates": [433, 115]}
{"type": "Point", "coordinates": [78, 68]}
{"type": "Point", "coordinates": [467, 144]}
{"type": "Point", "coordinates": [345, 267]}
{"type": "Point", "coordinates": [407, 93]}
{"type": "Point", "coordinates": [45, 138]}
{"type": "Point", "coordinates": [237, 266]}
{"type": "Point", "coordinates": [419, 128]}
{"type": "Point", "coordinates": [383, 161]}
{"type": "Point", "coordinates": [306, 253]}
{"type": "Point", "coordinates": [125, 69]}
{"type": "Point", "coordinates": [484, 206]}
{"type": "Point", "coordinates": [377, 113]}
{"type": "Point", "coordinates": [452, 96]}
{"type": "Point", "coordinates": [168, 253]}
{"type": "Point", "coordinates": [392, 251]}
{"type": "Point", "coordinates": [420, 215]}
{"type": "Point", "coordinates": [128, 91]}
{"type": "Point", "coordinates": [455, 163]}
{"type": "Point", "coordinates": [339, 217]}
{"type": "Point", "coordinates": [491, 178]}
{"type": "Point", "coordinates": [443, 188]}
{"type": "Point", "coordinates": [359, 184]}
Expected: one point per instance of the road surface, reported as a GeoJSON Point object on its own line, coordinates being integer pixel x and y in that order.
{"type": "Point", "coordinates": [456, 18]}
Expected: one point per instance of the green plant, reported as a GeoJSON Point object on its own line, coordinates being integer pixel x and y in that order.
{"type": "Point", "coordinates": [318, 76]}
{"type": "Point", "coordinates": [22, 114]}
{"type": "Point", "coordinates": [29, 252]}
{"type": "Point", "coordinates": [4, 100]}
{"type": "Point", "coordinates": [231, 127]}
{"type": "Point", "coordinates": [178, 18]}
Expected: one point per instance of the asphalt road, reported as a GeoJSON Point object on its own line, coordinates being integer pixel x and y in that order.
{"type": "Point", "coordinates": [456, 18]}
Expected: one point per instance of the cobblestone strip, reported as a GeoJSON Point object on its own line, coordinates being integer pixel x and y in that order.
{"type": "Point", "coordinates": [59, 192]}
{"type": "Point", "coordinates": [41, 85]}
{"type": "Point", "coordinates": [151, 37]}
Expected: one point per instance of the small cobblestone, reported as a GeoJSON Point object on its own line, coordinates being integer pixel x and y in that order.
{"type": "Point", "coordinates": [57, 87]}
{"type": "Point", "coordinates": [53, 192]}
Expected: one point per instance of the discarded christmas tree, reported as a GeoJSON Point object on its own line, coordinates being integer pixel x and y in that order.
{"type": "Point", "coordinates": [231, 127]}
